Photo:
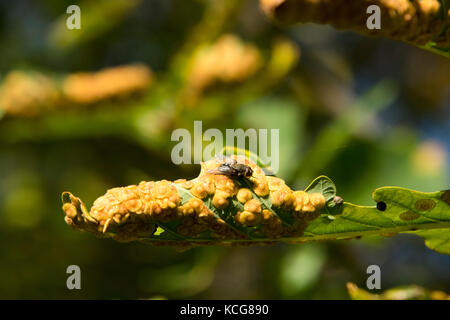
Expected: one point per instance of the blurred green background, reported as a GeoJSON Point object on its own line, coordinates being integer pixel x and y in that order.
{"type": "Point", "coordinates": [366, 112]}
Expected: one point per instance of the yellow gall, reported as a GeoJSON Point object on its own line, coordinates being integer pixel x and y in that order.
{"type": "Point", "coordinates": [209, 165]}
{"type": "Point", "coordinates": [208, 183]}
{"type": "Point", "coordinates": [225, 184]}
{"type": "Point", "coordinates": [199, 190]}
{"type": "Point", "coordinates": [70, 210]}
{"type": "Point", "coordinates": [186, 184]}
{"type": "Point", "coordinates": [185, 210]}
{"type": "Point", "coordinates": [267, 215]}
{"type": "Point", "coordinates": [253, 205]}
{"type": "Point", "coordinates": [130, 192]}
{"type": "Point", "coordinates": [148, 206]}
{"type": "Point", "coordinates": [244, 195]}
{"type": "Point", "coordinates": [317, 200]}
{"type": "Point", "coordinates": [301, 198]}
{"type": "Point", "coordinates": [308, 208]}
{"type": "Point", "coordinates": [205, 217]}
{"type": "Point", "coordinates": [281, 198]}
{"type": "Point", "coordinates": [161, 190]}
{"type": "Point", "coordinates": [196, 204]}
{"type": "Point", "coordinates": [69, 221]}
{"type": "Point", "coordinates": [261, 188]}
{"type": "Point", "coordinates": [275, 183]}
{"type": "Point", "coordinates": [249, 219]}
{"type": "Point", "coordinates": [135, 205]}
{"type": "Point", "coordinates": [148, 203]}
{"type": "Point", "coordinates": [289, 200]}
{"type": "Point", "coordinates": [156, 209]}
{"type": "Point", "coordinates": [219, 202]}
{"type": "Point", "coordinates": [146, 187]}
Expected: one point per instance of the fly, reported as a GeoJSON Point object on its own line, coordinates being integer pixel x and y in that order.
{"type": "Point", "coordinates": [233, 169]}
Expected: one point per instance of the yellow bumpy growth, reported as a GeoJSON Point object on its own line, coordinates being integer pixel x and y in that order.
{"type": "Point", "coordinates": [211, 208]}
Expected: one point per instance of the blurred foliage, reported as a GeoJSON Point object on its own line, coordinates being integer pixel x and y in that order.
{"type": "Point", "coordinates": [365, 112]}
{"type": "Point", "coordinates": [420, 23]}
{"type": "Point", "coordinates": [411, 292]}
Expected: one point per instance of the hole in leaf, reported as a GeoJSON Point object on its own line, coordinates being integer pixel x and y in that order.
{"type": "Point", "coordinates": [158, 231]}
{"type": "Point", "coordinates": [381, 206]}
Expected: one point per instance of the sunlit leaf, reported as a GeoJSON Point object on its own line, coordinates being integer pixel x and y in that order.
{"type": "Point", "coordinates": [185, 219]}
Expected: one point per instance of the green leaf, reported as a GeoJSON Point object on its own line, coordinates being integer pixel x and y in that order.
{"type": "Point", "coordinates": [432, 47]}
{"type": "Point", "coordinates": [406, 211]}
{"type": "Point", "coordinates": [436, 239]}
{"type": "Point", "coordinates": [325, 186]}
{"type": "Point", "coordinates": [398, 210]}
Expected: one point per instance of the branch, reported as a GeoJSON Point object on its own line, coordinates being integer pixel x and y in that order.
{"type": "Point", "coordinates": [419, 23]}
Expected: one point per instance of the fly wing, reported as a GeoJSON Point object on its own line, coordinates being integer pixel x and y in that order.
{"type": "Point", "coordinates": [223, 169]}
{"type": "Point", "coordinates": [225, 159]}
{"type": "Point", "coordinates": [268, 171]}
{"type": "Point", "coordinates": [215, 171]}
{"type": "Point", "coordinates": [220, 157]}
